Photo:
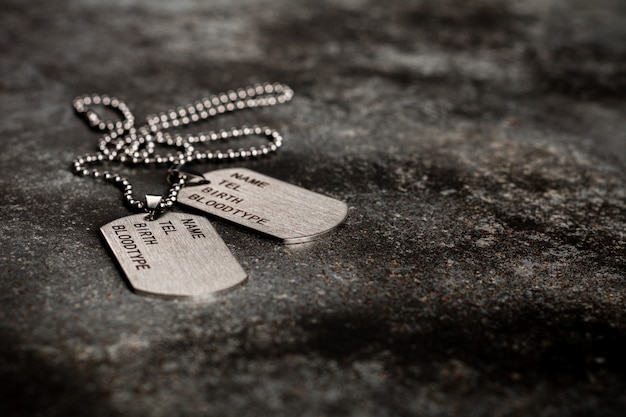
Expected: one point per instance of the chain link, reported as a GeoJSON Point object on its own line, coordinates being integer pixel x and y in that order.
{"type": "Point", "coordinates": [123, 142]}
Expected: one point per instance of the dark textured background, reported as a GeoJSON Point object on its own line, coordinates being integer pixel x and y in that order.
{"type": "Point", "coordinates": [480, 146]}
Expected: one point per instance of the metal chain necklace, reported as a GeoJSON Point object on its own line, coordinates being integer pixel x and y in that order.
{"type": "Point", "coordinates": [181, 255]}
{"type": "Point", "coordinates": [123, 142]}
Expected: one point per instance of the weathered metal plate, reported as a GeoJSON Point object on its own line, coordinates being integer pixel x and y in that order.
{"type": "Point", "coordinates": [176, 255]}
{"type": "Point", "coordinates": [266, 205]}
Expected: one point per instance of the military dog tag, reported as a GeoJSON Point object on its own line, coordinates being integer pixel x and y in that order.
{"type": "Point", "coordinates": [264, 204]}
{"type": "Point", "coordinates": [176, 255]}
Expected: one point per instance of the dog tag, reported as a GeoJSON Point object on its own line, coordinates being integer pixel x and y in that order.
{"type": "Point", "coordinates": [264, 204]}
{"type": "Point", "coordinates": [176, 255]}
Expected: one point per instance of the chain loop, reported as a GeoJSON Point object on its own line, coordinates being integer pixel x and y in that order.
{"type": "Point", "coordinates": [123, 142]}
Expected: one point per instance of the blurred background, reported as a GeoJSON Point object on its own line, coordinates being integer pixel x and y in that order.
{"type": "Point", "coordinates": [480, 145]}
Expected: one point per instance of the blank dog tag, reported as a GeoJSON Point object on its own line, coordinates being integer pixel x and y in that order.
{"type": "Point", "coordinates": [176, 255]}
{"type": "Point", "coordinates": [264, 204]}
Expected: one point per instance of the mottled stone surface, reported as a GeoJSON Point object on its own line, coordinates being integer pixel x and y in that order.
{"type": "Point", "coordinates": [481, 147]}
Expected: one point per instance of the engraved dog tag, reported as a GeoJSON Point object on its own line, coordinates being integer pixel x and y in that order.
{"type": "Point", "coordinates": [176, 255]}
{"type": "Point", "coordinates": [267, 205]}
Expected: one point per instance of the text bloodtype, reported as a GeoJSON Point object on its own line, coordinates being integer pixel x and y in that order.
{"type": "Point", "coordinates": [129, 245]}
{"type": "Point", "coordinates": [229, 209]}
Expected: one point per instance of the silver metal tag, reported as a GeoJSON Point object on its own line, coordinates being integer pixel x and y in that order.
{"type": "Point", "coordinates": [176, 255]}
{"type": "Point", "coordinates": [266, 205]}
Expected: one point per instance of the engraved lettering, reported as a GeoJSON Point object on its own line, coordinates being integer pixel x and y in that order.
{"type": "Point", "coordinates": [145, 234]}
{"type": "Point", "coordinates": [229, 184]}
{"type": "Point", "coordinates": [193, 228]}
{"type": "Point", "coordinates": [219, 194]}
{"type": "Point", "coordinates": [249, 180]}
{"type": "Point", "coordinates": [129, 245]}
{"type": "Point", "coordinates": [168, 227]}
{"type": "Point", "coordinates": [232, 210]}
